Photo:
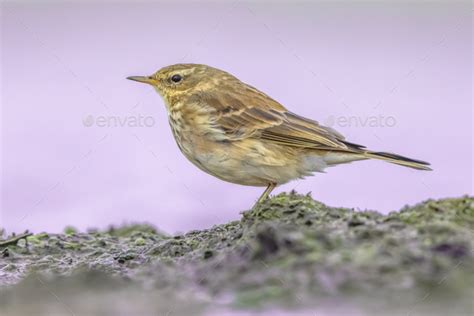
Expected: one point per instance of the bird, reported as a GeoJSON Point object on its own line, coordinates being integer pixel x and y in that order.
{"type": "Point", "coordinates": [235, 132]}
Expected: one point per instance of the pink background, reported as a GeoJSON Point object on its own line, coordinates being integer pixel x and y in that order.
{"type": "Point", "coordinates": [336, 63]}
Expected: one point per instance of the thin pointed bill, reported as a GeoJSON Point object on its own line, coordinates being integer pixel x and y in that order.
{"type": "Point", "coordinates": [143, 79]}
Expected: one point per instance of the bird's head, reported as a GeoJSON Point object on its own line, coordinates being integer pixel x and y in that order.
{"type": "Point", "coordinates": [183, 79]}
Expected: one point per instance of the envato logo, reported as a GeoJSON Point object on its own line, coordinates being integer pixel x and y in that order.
{"type": "Point", "coordinates": [361, 121]}
{"type": "Point", "coordinates": [118, 121]}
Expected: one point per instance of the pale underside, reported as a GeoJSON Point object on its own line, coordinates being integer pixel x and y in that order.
{"type": "Point", "coordinates": [255, 163]}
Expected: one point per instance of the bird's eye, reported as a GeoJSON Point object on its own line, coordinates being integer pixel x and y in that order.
{"type": "Point", "coordinates": [176, 78]}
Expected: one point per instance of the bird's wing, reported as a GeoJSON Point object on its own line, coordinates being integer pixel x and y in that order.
{"type": "Point", "coordinates": [252, 114]}
{"type": "Point", "coordinates": [298, 131]}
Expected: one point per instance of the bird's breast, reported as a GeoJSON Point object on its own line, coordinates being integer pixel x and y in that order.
{"type": "Point", "coordinates": [193, 129]}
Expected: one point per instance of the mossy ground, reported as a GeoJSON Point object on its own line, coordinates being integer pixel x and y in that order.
{"type": "Point", "coordinates": [292, 251]}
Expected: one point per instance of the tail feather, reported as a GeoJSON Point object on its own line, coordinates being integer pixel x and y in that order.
{"type": "Point", "coordinates": [399, 160]}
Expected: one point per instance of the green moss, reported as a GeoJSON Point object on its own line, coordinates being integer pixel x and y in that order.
{"type": "Point", "coordinates": [70, 230]}
{"type": "Point", "coordinates": [289, 247]}
{"type": "Point", "coordinates": [140, 241]}
{"type": "Point", "coordinates": [128, 230]}
{"type": "Point", "coordinates": [71, 245]}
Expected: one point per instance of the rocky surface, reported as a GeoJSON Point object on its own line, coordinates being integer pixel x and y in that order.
{"type": "Point", "coordinates": [292, 253]}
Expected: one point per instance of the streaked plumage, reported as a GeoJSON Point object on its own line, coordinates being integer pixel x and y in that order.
{"type": "Point", "coordinates": [237, 133]}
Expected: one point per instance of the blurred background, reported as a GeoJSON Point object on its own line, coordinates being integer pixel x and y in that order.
{"type": "Point", "coordinates": [82, 146]}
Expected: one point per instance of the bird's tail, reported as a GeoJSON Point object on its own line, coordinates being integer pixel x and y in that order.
{"type": "Point", "coordinates": [399, 160]}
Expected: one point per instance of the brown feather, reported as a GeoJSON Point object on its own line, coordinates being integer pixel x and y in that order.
{"type": "Point", "coordinates": [250, 113]}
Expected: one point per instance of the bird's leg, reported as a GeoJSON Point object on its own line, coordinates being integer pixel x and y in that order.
{"type": "Point", "coordinates": [265, 194]}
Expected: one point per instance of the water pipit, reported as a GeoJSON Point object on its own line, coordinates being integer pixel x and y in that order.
{"type": "Point", "coordinates": [239, 134]}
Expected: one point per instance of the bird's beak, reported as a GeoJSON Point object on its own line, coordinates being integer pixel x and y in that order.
{"type": "Point", "coordinates": [143, 79]}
